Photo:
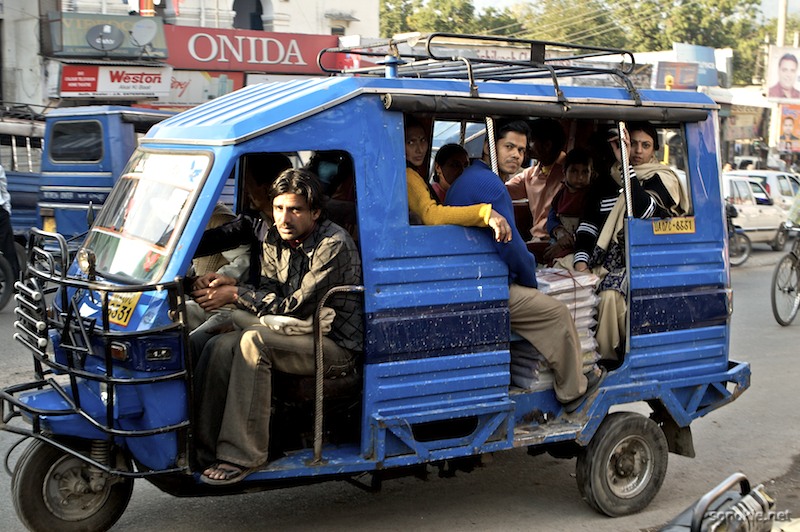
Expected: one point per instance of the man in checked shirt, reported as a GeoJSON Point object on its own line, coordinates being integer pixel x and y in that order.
{"type": "Point", "coordinates": [304, 255]}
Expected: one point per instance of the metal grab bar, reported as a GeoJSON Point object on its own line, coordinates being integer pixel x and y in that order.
{"type": "Point", "coordinates": [319, 358]}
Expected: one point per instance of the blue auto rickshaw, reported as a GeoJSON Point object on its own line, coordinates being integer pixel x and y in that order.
{"type": "Point", "coordinates": [112, 396]}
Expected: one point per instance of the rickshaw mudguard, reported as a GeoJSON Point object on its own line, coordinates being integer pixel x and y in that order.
{"type": "Point", "coordinates": [683, 399]}
{"type": "Point", "coordinates": [49, 412]}
{"type": "Point", "coordinates": [52, 416]}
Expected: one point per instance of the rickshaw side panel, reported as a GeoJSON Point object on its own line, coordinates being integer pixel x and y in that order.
{"type": "Point", "coordinates": [679, 282]}
{"type": "Point", "coordinates": [455, 404]}
{"type": "Point", "coordinates": [436, 301]}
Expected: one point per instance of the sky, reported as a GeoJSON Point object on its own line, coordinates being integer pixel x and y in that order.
{"type": "Point", "coordinates": [768, 7]}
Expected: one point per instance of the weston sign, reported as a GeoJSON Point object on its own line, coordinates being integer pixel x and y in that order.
{"type": "Point", "coordinates": [193, 48]}
{"type": "Point", "coordinates": [114, 81]}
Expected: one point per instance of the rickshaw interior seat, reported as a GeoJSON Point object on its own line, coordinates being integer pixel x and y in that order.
{"type": "Point", "coordinates": [301, 388]}
{"type": "Point", "coordinates": [293, 420]}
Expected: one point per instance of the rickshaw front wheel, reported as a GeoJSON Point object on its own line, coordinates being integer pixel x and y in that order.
{"type": "Point", "coordinates": [52, 491]}
{"type": "Point", "coordinates": [623, 467]}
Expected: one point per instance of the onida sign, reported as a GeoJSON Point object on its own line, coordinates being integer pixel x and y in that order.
{"type": "Point", "coordinates": [193, 48]}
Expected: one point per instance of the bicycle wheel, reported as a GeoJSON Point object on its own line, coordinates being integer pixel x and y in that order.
{"type": "Point", "coordinates": [739, 248]}
{"type": "Point", "coordinates": [6, 282]}
{"type": "Point", "coordinates": [786, 290]}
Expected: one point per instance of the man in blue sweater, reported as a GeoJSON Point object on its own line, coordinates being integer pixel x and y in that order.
{"type": "Point", "coordinates": [542, 320]}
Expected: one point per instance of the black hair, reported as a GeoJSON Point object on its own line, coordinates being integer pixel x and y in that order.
{"type": "Point", "coordinates": [303, 183]}
{"type": "Point", "coordinates": [446, 152]}
{"type": "Point", "coordinates": [411, 121]}
{"type": "Point", "coordinates": [602, 154]}
{"type": "Point", "coordinates": [548, 129]}
{"type": "Point", "coordinates": [516, 126]}
{"type": "Point", "coordinates": [265, 167]}
{"type": "Point", "coordinates": [332, 168]}
{"type": "Point", "coordinates": [788, 57]}
{"type": "Point", "coordinates": [646, 127]}
{"type": "Point", "coordinates": [578, 156]}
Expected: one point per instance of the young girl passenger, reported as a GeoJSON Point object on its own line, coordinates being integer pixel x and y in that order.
{"type": "Point", "coordinates": [422, 206]}
{"type": "Point", "coordinates": [568, 204]}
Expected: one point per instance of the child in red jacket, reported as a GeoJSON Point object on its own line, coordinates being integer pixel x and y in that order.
{"type": "Point", "coordinates": [568, 204]}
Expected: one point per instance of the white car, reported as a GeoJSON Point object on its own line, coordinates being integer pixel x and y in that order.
{"type": "Point", "coordinates": [761, 219]}
{"type": "Point", "coordinates": [781, 186]}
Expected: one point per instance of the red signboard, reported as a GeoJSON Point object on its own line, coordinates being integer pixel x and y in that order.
{"type": "Point", "coordinates": [75, 78]}
{"type": "Point", "coordinates": [192, 48]}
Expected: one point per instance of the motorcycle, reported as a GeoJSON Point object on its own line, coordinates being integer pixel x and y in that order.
{"type": "Point", "coordinates": [739, 245]}
{"type": "Point", "coordinates": [725, 508]}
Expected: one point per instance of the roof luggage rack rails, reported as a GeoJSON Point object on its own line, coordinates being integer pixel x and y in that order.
{"type": "Point", "coordinates": [450, 56]}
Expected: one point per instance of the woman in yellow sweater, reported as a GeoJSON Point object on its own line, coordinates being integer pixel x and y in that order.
{"type": "Point", "coordinates": [421, 203]}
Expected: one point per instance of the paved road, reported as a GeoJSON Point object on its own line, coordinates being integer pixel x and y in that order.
{"type": "Point", "coordinates": [759, 434]}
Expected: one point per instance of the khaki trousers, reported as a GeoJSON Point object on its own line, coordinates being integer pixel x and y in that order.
{"type": "Point", "coordinates": [548, 325]}
{"type": "Point", "coordinates": [611, 317]}
{"type": "Point", "coordinates": [247, 358]}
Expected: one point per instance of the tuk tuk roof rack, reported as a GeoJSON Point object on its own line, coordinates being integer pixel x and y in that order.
{"type": "Point", "coordinates": [457, 56]}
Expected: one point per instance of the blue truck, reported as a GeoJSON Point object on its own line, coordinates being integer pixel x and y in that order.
{"type": "Point", "coordinates": [60, 161]}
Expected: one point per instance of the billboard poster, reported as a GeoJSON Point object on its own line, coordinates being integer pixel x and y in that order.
{"type": "Point", "coordinates": [704, 57]}
{"type": "Point", "coordinates": [106, 36]}
{"type": "Point", "coordinates": [80, 80]}
{"type": "Point", "coordinates": [789, 140]}
{"type": "Point", "coordinates": [782, 71]}
{"type": "Point", "coordinates": [193, 87]}
{"type": "Point", "coordinates": [681, 76]}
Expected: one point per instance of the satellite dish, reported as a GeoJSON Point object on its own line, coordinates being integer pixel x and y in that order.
{"type": "Point", "coordinates": [105, 37]}
{"type": "Point", "coordinates": [143, 32]}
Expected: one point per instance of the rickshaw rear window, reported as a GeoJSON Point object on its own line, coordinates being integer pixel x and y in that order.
{"type": "Point", "coordinates": [76, 141]}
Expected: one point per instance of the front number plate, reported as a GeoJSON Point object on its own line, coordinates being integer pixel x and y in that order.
{"type": "Point", "coordinates": [120, 307]}
{"type": "Point", "coordinates": [674, 226]}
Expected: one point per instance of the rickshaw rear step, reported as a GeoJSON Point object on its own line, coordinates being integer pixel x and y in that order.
{"type": "Point", "coordinates": [414, 433]}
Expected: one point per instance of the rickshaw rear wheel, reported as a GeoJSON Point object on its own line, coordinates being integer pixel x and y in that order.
{"type": "Point", "coordinates": [623, 467]}
{"type": "Point", "coordinates": [51, 491]}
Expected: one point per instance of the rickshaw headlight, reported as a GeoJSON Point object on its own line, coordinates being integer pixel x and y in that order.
{"type": "Point", "coordinates": [87, 260]}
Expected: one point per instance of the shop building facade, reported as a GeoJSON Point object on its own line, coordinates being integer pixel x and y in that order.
{"type": "Point", "coordinates": [80, 52]}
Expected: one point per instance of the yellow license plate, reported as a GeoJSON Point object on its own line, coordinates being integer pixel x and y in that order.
{"type": "Point", "coordinates": [674, 226]}
{"type": "Point", "coordinates": [49, 224]}
{"type": "Point", "coordinates": [120, 307]}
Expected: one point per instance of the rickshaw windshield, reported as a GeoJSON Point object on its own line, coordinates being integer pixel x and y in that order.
{"type": "Point", "coordinates": [132, 235]}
